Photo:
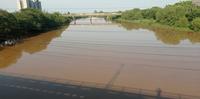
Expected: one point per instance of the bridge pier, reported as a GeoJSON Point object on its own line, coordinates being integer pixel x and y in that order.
{"type": "Point", "coordinates": [90, 19]}
{"type": "Point", "coordinates": [91, 15]}
{"type": "Point", "coordinates": [74, 19]}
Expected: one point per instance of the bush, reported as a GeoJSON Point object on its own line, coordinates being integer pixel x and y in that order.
{"type": "Point", "coordinates": [196, 24]}
{"type": "Point", "coordinates": [170, 15]}
{"type": "Point", "coordinates": [182, 22]}
{"type": "Point", "coordinates": [150, 13]}
{"type": "Point", "coordinates": [134, 14]}
{"type": "Point", "coordinates": [8, 24]}
{"type": "Point", "coordinates": [28, 22]}
{"type": "Point", "coordinates": [182, 14]}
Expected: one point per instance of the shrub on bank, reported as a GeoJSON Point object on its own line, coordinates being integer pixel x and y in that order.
{"type": "Point", "coordinates": [182, 22]}
{"type": "Point", "coordinates": [134, 14]}
{"type": "Point", "coordinates": [181, 14]}
{"type": "Point", "coordinates": [29, 22]}
{"type": "Point", "coordinates": [196, 24]}
{"type": "Point", "coordinates": [8, 23]}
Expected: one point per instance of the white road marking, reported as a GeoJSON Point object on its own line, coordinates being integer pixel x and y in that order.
{"type": "Point", "coordinates": [18, 86]}
{"type": "Point", "coordinates": [11, 86]}
{"type": "Point", "coordinates": [30, 88]}
{"type": "Point", "coordinates": [43, 82]}
{"type": "Point", "coordinates": [21, 79]}
{"type": "Point", "coordinates": [32, 81]}
{"type": "Point", "coordinates": [45, 91]}
{"type": "Point", "coordinates": [59, 93]}
{"type": "Point", "coordinates": [70, 86]}
{"type": "Point", "coordinates": [85, 88]}
{"type": "Point", "coordinates": [74, 95]}
{"type": "Point", "coordinates": [82, 97]}
{"type": "Point", "coordinates": [57, 85]}
{"type": "Point", "coordinates": [67, 94]}
{"type": "Point", "coordinates": [50, 92]}
{"type": "Point", "coordinates": [24, 87]}
{"type": "Point", "coordinates": [37, 89]}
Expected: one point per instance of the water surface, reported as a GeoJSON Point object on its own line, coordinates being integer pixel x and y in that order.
{"type": "Point", "coordinates": [153, 58]}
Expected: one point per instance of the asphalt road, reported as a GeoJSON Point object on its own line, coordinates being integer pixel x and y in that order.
{"type": "Point", "coordinates": [20, 88]}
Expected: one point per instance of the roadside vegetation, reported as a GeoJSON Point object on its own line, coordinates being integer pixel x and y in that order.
{"type": "Point", "coordinates": [183, 15]}
{"type": "Point", "coordinates": [28, 22]}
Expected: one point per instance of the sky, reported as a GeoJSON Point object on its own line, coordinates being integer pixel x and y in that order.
{"type": "Point", "coordinates": [90, 5]}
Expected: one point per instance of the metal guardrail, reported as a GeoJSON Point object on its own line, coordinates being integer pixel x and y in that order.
{"type": "Point", "coordinates": [127, 90]}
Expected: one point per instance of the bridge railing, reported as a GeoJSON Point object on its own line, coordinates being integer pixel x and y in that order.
{"type": "Point", "coordinates": [92, 14]}
{"type": "Point", "coordinates": [126, 90]}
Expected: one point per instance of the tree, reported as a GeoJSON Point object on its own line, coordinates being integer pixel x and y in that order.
{"type": "Point", "coordinates": [150, 13]}
{"type": "Point", "coordinates": [192, 13]}
{"type": "Point", "coordinates": [7, 24]}
{"type": "Point", "coordinates": [170, 15]}
{"type": "Point", "coordinates": [134, 14]}
{"type": "Point", "coordinates": [182, 22]}
{"type": "Point", "coordinates": [196, 24]}
{"type": "Point", "coordinates": [30, 20]}
{"type": "Point", "coordinates": [182, 14]}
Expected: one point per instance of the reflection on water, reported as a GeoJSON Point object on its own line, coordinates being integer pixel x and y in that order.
{"type": "Point", "coordinates": [10, 55]}
{"type": "Point", "coordinates": [167, 36]}
{"type": "Point", "coordinates": [95, 52]}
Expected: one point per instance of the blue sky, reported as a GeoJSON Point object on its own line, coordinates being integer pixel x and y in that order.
{"type": "Point", "coordinates": [91, 5]}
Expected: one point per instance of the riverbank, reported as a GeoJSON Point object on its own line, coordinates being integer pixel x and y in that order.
{"type": "Point", "coordinates": [27, 23]}
{"type": "Point", "coordinates": [151, 24]}
{"type": "Point", "coordinates": [182, 16]}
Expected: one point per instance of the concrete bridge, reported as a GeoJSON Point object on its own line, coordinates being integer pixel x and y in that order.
{"type": "Point", "coordinates": [92, 14]}
{"type": "Point", "coordinates": [76, 16]}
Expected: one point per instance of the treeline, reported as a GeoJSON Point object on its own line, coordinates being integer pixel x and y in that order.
{"type": "Point", "coordinates": [183, 14]}
{"type": "Point", "coordinates": [28, 22]}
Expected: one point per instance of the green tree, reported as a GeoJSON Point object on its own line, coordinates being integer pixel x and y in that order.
{"type": "Point", "coordinates": [56, 19]}
{"type": "Point", "coordinates": [30, 20]}
{"type": "Point", "coordinates": [134, 14]}
{"type": "Point", "coordinates": [196, 24]}
{"type": "Point", "coordinates": [182, 22]}
{"type": "Point", "coordinates": [8, 24]}
{"type": "Point", "coordinates": [170, 15]}
{"type": "Point", "coordinates": [192, 13]}
{"type": "Point", "coordinates": [150, 13]}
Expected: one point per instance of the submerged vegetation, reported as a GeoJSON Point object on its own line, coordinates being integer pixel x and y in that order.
{"type": "Point", "coordinates": [183, 15]}
{"type": "Point", "coordinates": [28, 22]}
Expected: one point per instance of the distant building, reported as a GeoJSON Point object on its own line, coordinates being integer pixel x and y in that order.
{"type": "Point", "coordinates": [34, 4]}
{"type": "Point", "coordinates": [196, 2]}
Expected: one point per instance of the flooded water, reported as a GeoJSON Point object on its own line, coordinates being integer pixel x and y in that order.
{"type": "Point", "coordinates": [152, 58]}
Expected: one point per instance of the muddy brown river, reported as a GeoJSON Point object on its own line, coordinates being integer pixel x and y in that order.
{"type": "Point", "coordinates": [152, 58]}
